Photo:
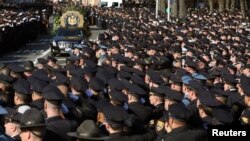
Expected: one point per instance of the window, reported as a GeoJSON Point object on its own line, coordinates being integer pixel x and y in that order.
{"type": "Point", "coordinates": [104, 4]}
{"type": "Point", "coordinates": [115, 4]}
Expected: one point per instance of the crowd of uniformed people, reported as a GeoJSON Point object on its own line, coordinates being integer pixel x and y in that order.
{"type": "Point", "coordinates": [20, 24]}
{"type": "Point", "coordinates": [145, 79]}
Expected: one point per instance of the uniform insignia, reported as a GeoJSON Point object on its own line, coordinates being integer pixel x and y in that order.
{"type": "Point", "coordinates": [245, 120]}
{"type": "Point", "coordinates": [72, 19]}
{"type": "Point", "coordinates": [152, 122]}
{"type": "Point", "coordinates": [159, 125]}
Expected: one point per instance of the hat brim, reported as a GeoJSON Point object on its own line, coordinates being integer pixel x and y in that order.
{"type": "Point", "coordinates": [32, 126]}
{"type": "Point", "coordinates": [74, 134]}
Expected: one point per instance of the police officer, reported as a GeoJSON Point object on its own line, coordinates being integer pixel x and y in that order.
{"type": "Point", "coordinates": [12, 124]}
{"type": "Point", "coordinates": [88, 131]}
{"type": "Point", "coordinates": [57, 127]}
{"type": "Point", "coordinates": [177, 128]}
{"type": "Point", "coordinates": [32, 125]}
{"type": "Point", "coordinates": [245, 117]}
{"type": "Point", "coordinates": [22, 95]}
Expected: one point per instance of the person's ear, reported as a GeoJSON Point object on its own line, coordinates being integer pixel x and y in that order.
{"type": "Point", "coordinates": [45, 106]}
{"type": "Point", "coordinates": [29, 134]}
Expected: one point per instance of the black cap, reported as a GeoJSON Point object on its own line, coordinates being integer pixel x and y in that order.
{"type": "Point", "coordinates": [135, 90]}
{"type": "Point", "coordinates": [166, 73]}
{"type": "Point", "coordinates": [115, 84]}
{"type": "Point", "coordinates": [12, 115]}
{"type": "Point", "coordinates": [157, 91]}
{"type": "Point", "coordinates": [96, 84]}
{"type": "Point", "coordinates": [207, 98]}
{"type": "Point", "coordinates": [32, 118]}
{"type": "Point", "coordinates": [175, 79]}
{"type": "Point", "coordinates": [195, 85]}
{"type": "Point", "coordinates": [179, 112]}
{"type": "Point", "coordinates": [124, 74]}
{"type": "Point", "coordinates": [155, 77]}
{"type": "Point", "coordinates": [115, 116]}
{"type": "Point", "coordinates": [88, 131]}
{"type": "Point", "coordinates": [138, 72]}
{"type": "Point", "coordinates": [218, 92]}
{"type": "Point", "coordinates": [104, 76]}
{"type": "Point", "coordinates": [42, 61]}
{"type": "Point", "coordinates": [245, 83]}
{"type": "Point", "coordinates": [28, 66]}
{"type": "Point", "coordinates": [41, 74]}
{"type": "Point", "coordinates": [247, 66]}
{"type": "Point", "coordinates": [22, 86]}
{"type": "Point", "coordinates": [62, 79]}
{"type": "Point", "coordinates": [101, 104]}
{"type": "Point", "coordinates": [52, 93]}
{"type": "Point", "coordinates": [230, 79]}
{"type": "Point", "coordinates": [118, 96]}
{"type": "Point", "coordinates": [6, 78]}
{"type": "Point", "coordinates": [15, 68]}
{"type": "Point", "coordinates": [36, 84]}
{"type": "Point", "coordinates": [172, 94]}
{"type": "Point", "coordinates": [78, 84]}
{"type": "Point", "coordinates": [137, 80]}
{"type": "Point", "coordinates": [223, 114]}
{"type": "Point", "coordinates": [191, 64]}
{"type": "Point", "coordinates": [51, 58]}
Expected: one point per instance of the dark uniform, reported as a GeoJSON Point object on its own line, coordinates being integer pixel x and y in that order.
{"type": "Point", "coordinates": [180, 113]}
{"type": "Point", "coordinates": [33, 119]}
{"type": "Point", "coordinates": [118, 117]}
{"type": "Point", "coordinates": [245, 117]}
{"type": "Point", "coordinates": [21, 87]}
{"type": "Point", "coordinates": [184, 133]}
{"type": "Point", "coordinates": [57, 127]}
{"type": "Point", "coordinates": [14, 117]}
{"type": "Point", "coordinates": [88, 131]}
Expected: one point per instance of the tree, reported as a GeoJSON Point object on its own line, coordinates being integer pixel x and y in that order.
{"type": "Point", "coordinates": [174, 7]}
{"type": "Point", "coordinates": [242, 8]}
{"type": "Point", "coordinates": [232, 5]}
{"type": "Point", "coordinates": [182, 9]}
{"type": "Point", "coordinates": [211, 6]}
{"type": "Point", "coordinates": [162, 6]}
{"type": "Point", "coordinates": [228, 5]}
{"type": "Point", "coordinates": [221, 5]}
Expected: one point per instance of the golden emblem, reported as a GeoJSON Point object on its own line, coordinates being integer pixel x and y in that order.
{"type": "Point", "coordinates": [245, 120]}
{"type": "Point", "coordinates": [159, 125]}
{"type": "Point", "coordinates": [72, 19]}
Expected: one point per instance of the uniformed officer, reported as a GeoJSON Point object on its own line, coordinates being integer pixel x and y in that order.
{"type": "Point", "coordinates": [32, 125]}
{"type": "Point", "coordinates": [57, 127]}
{"type": "Point", "coordinates": [156, 96]}
{"type": "Point", "coordinates": [88, 131]}
{"type": "Point", "coordinates": [22, 95]}
{"type": "Point", "coordinates": [177, 128]}
{"type": "Point", "coordinates": [36, 86]}
{"type": "Point", "coordinates": [12, 124]}
{"type": "Point", "coordinates": [245, 117]}
{"type": "Point", "coordinates": [234, 100]}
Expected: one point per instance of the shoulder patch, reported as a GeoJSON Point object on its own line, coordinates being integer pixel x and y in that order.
{"type": "Point", "coordinates": [245, 120]}
{"type": "Point", "coordinates": [159, 125]}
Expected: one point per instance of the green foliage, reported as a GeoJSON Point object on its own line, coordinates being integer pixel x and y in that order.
{"type": "Point", "coordinates": [56, 24]}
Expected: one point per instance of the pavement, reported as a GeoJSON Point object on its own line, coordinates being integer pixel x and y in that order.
{"type": "Point", "coordinates": [95, 31]}
{"type": "Point", "coordinates": [40, 48]}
